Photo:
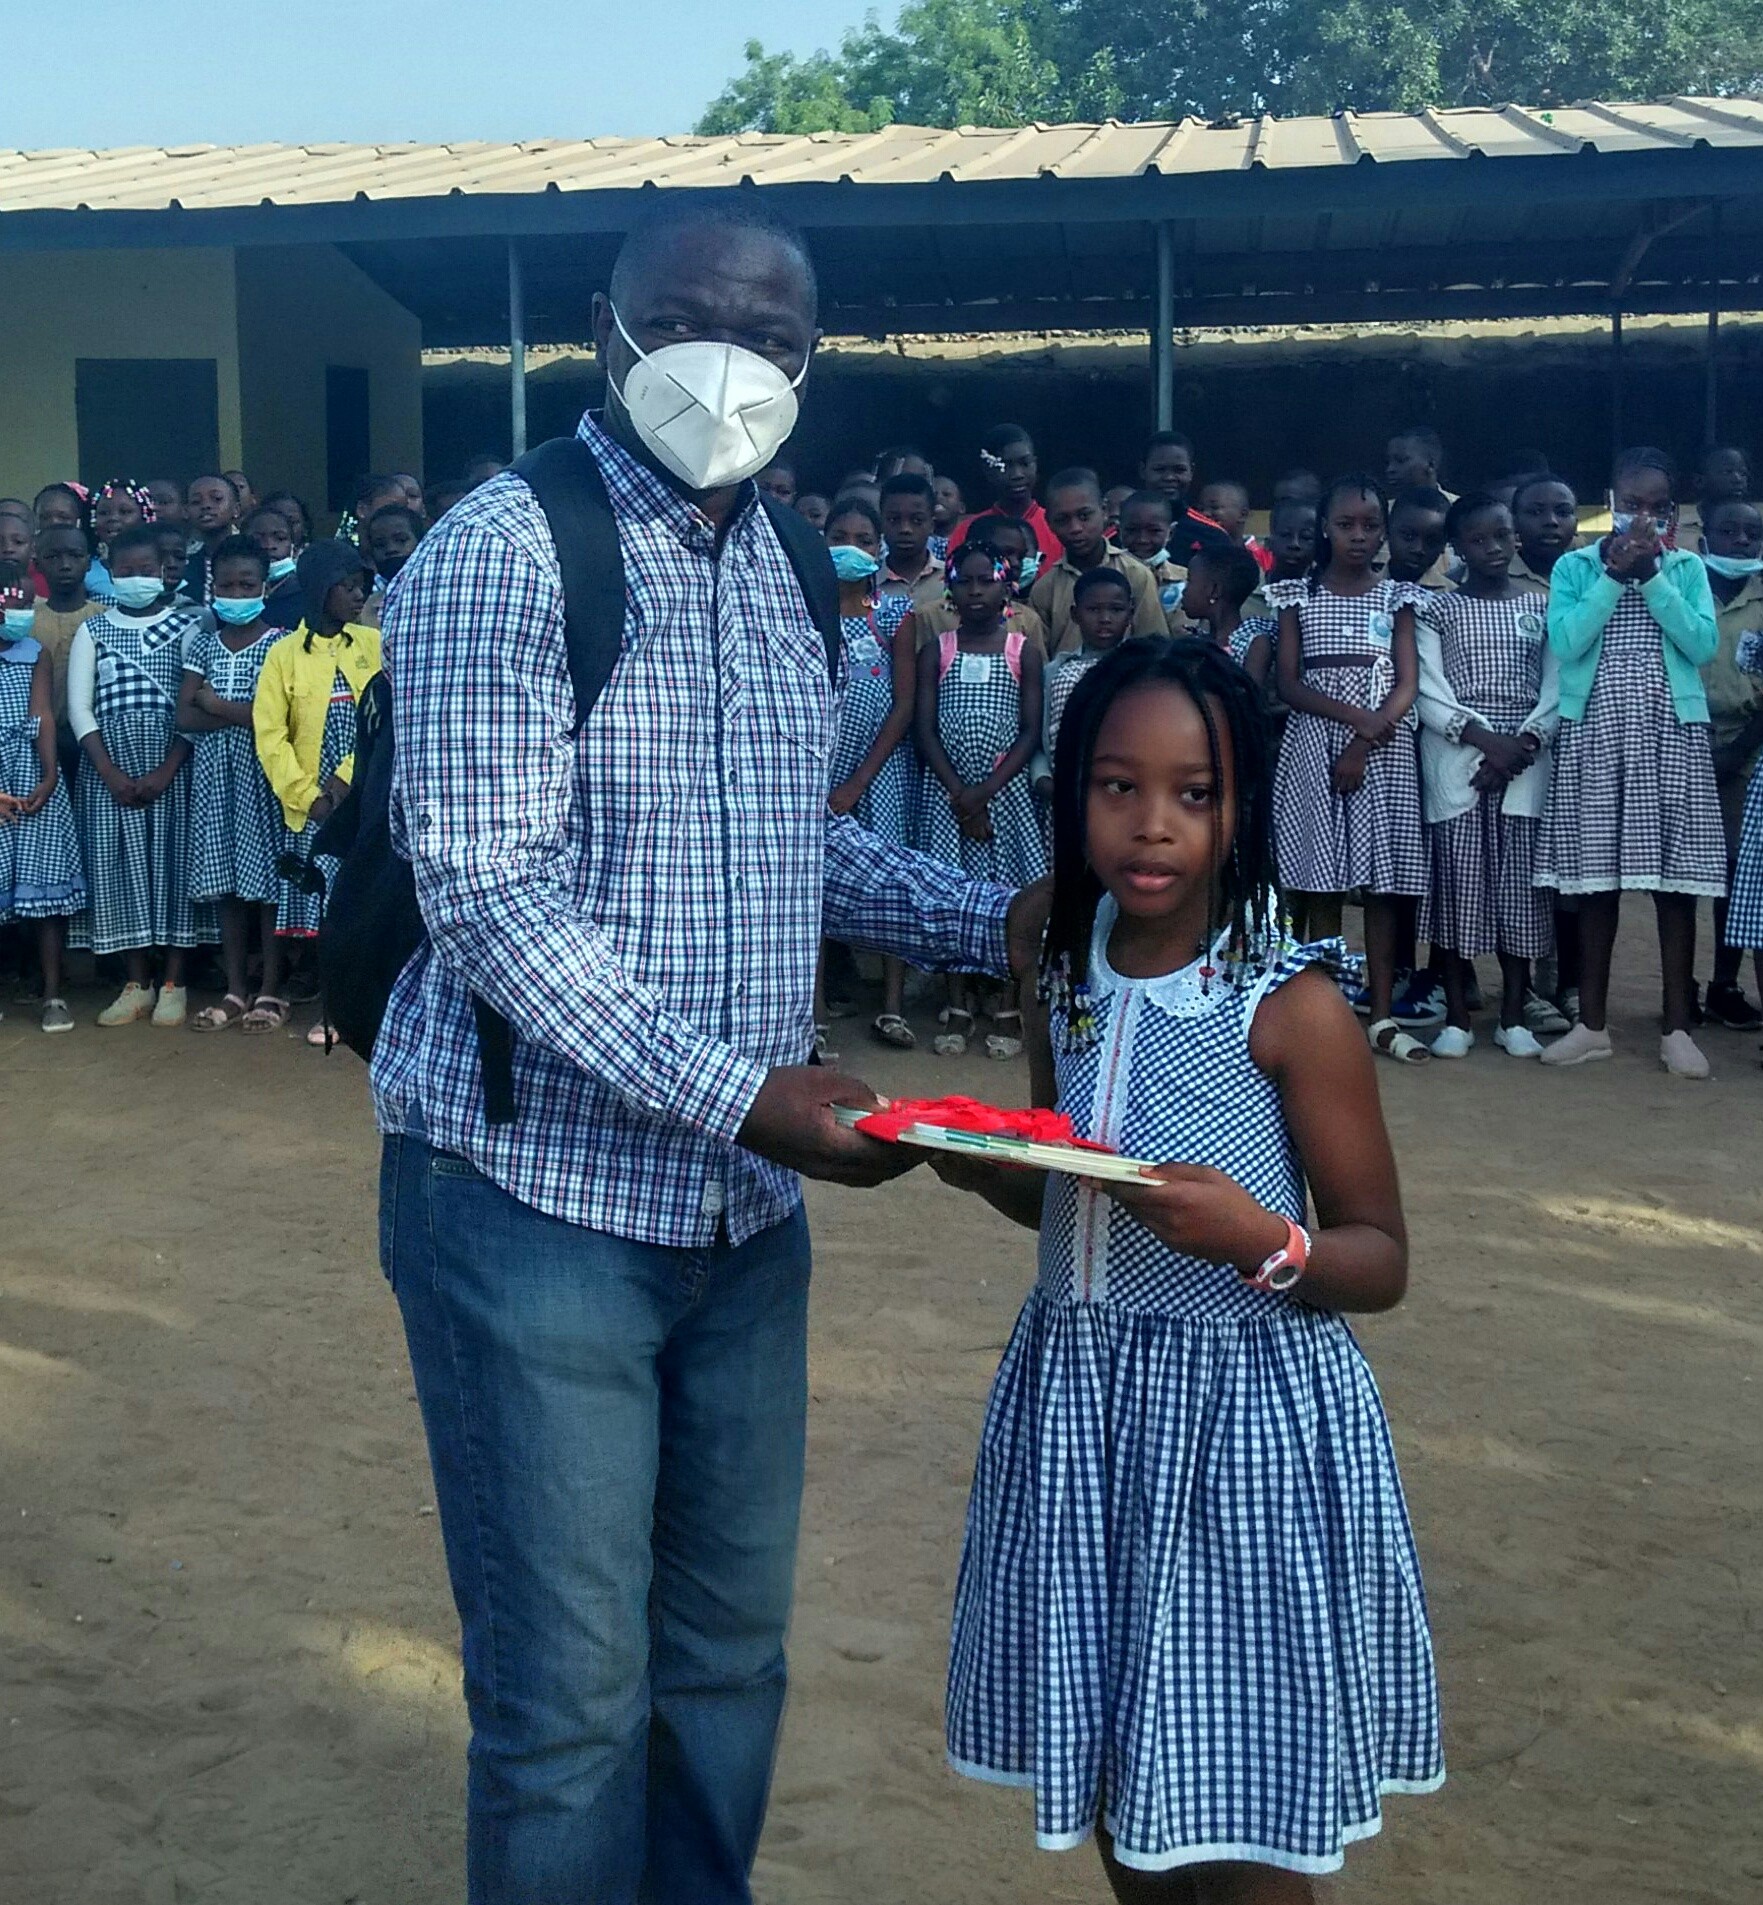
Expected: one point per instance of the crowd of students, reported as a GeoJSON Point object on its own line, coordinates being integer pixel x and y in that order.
{"type": "Point", "coordinates": [1488, 726]}
{"type": "Point", "coordinates": [178, 681]}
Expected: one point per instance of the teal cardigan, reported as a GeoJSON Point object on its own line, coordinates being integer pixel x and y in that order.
{"type": "Point", "coordinates": [1581, 600]}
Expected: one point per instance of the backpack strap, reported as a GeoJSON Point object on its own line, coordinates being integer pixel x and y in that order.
{"type": "Point", "coordinates": [566, 481]}
{"type": "Point", "coordinates": [564, 477]}
{"type": "Point", "coordinates": [813, 564]}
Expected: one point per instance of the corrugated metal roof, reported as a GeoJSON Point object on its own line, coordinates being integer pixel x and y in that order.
{"type": "Point", "coordinates": [195, 177]}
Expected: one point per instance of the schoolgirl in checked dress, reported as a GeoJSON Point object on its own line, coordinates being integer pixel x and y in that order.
{"type": "Point", "coordinates": [1744, 913]}
{"type": "Point", "coordinates": [41, 878]}
{"type": "Point", "coordinates": [236, 821]}
{"type": "Point", "coordinates": [1346, 796]}
{"type": "Point", "coordinates": [1189, 1613]}
{"type": "Point", "coordinates": [124, 675]}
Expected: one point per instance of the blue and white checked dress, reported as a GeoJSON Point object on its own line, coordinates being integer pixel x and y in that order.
{"type": "Point", "coordinates": [1189, 1602]}
{"type": "Point", "coordinates": [1744, 913]}
{"type": "Point", "coordinates": [40, 872]}
{"type": "Point", "coordinates": [886, 805]}
{"type": "Point", "coordinates": [298, 912]}
{"type": "Point", "coordinates": [235, 819]}
{"type": "Point", "coordinates": [1370, 840]}
{"type": "Point", "coordinates": [137, 858]}
{"type": "Point", "coordinates": [979, 720]}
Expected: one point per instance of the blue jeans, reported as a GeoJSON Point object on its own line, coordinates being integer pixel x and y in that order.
{"type": "Point", "coordinates": [617, 1437]}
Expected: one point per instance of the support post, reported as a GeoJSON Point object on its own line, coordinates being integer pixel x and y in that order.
{"type": "Point", "coordinates": [1711, 382]}
{"type": "Point", "coordinates": [516, 350]}
{"type": "Point", "coordinates": [1616, 443]}
{"type": "Point", "coordinates": [1163, 336]}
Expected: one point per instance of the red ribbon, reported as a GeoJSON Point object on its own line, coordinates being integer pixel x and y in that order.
{"type": "Point", "coordinates": [968, 1114]}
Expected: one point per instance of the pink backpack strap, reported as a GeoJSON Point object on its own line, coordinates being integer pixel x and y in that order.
{"type": "Point", "coordinates": [1013, 652]}
{"type": "Point", "coordinates": [945, 652]}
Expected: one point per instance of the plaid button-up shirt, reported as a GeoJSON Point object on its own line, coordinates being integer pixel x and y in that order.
{"type": "Point", "coordinates": [643, 902]}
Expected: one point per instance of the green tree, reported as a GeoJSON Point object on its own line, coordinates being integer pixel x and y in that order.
{"type": "Point", "coordinates": [1010, 62]}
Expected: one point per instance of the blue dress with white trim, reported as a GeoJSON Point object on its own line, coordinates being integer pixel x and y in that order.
{"type": "Point", "coordinates": [1189, 1601]}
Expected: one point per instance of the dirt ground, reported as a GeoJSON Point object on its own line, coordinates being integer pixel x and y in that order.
{"type": "Point", "coordinates": [227, 1655]}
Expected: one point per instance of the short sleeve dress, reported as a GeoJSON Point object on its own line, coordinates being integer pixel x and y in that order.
{"type": "Point", "coordinates": [236, 821]}
{"type": "Point", "coordinates": [886, 804]}
{"type": "Point", "coordinates": [1369, 841]}
{"type": "Point", "coordinates": [41, 876]}
{"type": "Point", "coordinates": [1189, 1602]}
{"type": "Point", "coordinates": [979, 720]}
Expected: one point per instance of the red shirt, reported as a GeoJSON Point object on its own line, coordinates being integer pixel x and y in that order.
{"type": "Point", "coordinates": [1036, 518]}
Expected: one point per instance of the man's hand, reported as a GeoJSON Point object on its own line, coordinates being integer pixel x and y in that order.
{"type": "Point", "coordinates": [1025, 925]}
{"type": "Point", "coordinates": [791, 1123]}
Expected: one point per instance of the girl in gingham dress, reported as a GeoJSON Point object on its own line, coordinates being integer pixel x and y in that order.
{"type": "Point", "coordinates": [874, 770]}
{"type": "Point", "coordinates": [979, 721]}
{"type": "Point", "coordinates": [1633, 805]}
{"type": "Point", "coordinates": [1346, 801]}
{"type": "Point", "coordinates": [41, 878]}
{"type": "Point", "coordinates": [124, 674]}
{"type": "Point", "coordinates": [1489, 705]}
{"type": "Point", "coordinates": [236, 823]}
{"type": "Point", "coordinates": [1189, 1614]}
{"type": "Point", "coordinates": [1744, 915]}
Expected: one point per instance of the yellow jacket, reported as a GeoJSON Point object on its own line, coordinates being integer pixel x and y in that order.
{"type": "Point", "coordinates": [294, 696]}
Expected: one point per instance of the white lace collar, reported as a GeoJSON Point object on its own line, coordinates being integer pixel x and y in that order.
{"type": "Point", "coordinates": [1187, 993]}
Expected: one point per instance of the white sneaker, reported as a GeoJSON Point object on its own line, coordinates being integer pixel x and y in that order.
{"type": "Point", "coordinates": [1682, 1057]}
{"type": "Point", "coordinates": [1518, 1041]}
{"type": "Point", "coordinates": [1579, 1047]}
{"type": "Point", "coordinates": [172, 1007]}
{"type": "Point", "coordinates": [1453, 1042]}
{"type": "Point", "coordinates": [133, 1002]}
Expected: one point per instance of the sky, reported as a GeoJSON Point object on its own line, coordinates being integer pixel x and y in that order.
{"type": "Point", "coordinates": [436, 70]}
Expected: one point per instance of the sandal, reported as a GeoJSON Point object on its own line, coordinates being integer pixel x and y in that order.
{"type": "Point", "coordinates": [952, 1044]}
{"type": "Point", "coordinates": [891, 1029]}
{"type": "Point", "coordinates": [1388, 1038]}
{"type": "Point", "coordinates": [1005, 1044]}
{"type": "Point", "coordinates": [267, 1014]}
{"type": "Point", "coordinates": [320, 1036]}
{"type": "Point", "coordinates": [216, 1018]}
{"type": "Point", "coordinates": [822, 1050]}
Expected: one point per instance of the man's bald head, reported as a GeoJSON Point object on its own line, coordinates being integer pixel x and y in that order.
{"type": "Point", "coordinates": [740, 224]}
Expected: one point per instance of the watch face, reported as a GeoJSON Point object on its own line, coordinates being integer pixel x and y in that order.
{"type": "Point", "coordinates": [1285, 1276]}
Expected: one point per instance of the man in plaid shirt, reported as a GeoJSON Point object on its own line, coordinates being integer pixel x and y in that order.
{"type": "Point", "coordinates": [606, 1301]}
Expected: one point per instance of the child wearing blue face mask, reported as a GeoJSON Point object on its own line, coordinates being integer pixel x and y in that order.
{"type": "Point", "coordinates": [874, 774]}
{"type": "Point", "coordinates": [235, 819]}
{"type": "Point", "coordinates": [41, 878]}
{"type": "Point", "coordinates": [272, 530]}
{"type": "Point", "coordinates": [124, 674]}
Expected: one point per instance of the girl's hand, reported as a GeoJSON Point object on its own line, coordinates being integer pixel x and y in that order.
{"type": "Point", "coordinates": [844, 798]}
{"type": "Point", "coordinates": [36, 800]}
{"type": "Point", "coordinates": [151, 787]}
{"type": "Point", "coordinates": [978, 826]}
{"type": "Point", "coordinates": [1349, 768]}
{"type": "Point", "coordinates": [321, 810]}
{"type": "Point", "coordinates": [967, 801]}
{"type": "Point", "coordinates": [1201, 1213]}
{"type": "Point", "coordinates": [1507, 755]}
{"type": "Point", "coordinates": [11, 809]}
{"type": "Point", "coordinates": [120, 785]}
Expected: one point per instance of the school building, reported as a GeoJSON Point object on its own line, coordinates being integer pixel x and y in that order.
{"type": "Point", "coordinates": [267, 307]}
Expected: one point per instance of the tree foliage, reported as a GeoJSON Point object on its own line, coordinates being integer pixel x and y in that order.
{"type": "Point", "coordinates": [1010, 62]}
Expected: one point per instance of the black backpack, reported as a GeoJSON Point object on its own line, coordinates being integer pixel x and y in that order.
{"type": "Point", "coordinates": [372, 925]}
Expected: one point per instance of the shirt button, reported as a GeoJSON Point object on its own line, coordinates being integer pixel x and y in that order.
{"type": "Point", "coordinates": [713, 1202]}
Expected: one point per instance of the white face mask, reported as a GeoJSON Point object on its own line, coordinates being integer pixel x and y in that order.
{"type": "Point", "coordinates": [711, 413]}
